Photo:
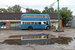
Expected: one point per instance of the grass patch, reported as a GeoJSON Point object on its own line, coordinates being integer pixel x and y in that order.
{"type": "Point", "coordinates": [1, 42]}
{"type": "Point", "coordinates": [31, 47]}
{"type": "Point", "coordinates": [15, 36]}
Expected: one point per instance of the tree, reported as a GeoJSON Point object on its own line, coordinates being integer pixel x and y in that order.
{"type": "Point", "coordinates": [10, 10]}
{"type": "Point", "coordinates": [28, 10]}
{"type": "Point", "coordinates": [51, 10]}
{"type": "Point", "coordinates": [14, 9]}
{"type": "Point", "coordinates": [66, 15]}
{"type": "Point", "coordinates": [2, 10]}
{"type": "Point", "coordinates": [37, 11]}
{"type": "Point", "coordinates": [55, 11]}
{"type": "Point", "coordinates": [48, 10]}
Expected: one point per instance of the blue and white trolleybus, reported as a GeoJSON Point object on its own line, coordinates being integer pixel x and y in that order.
{"type": "Point", "coordinates": [35, 21]}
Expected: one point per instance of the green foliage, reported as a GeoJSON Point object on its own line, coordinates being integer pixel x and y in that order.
{"type": "Point", "coordinates": [66, 40]}
{"type": "Point", "coordinates": [9, 9]}
{"type": "Point", "coordinates": [55, 11]}
{"type": "Point", "coordinates": [48, 10]}
{"type": "Point", "coordinates": [28, 10]}
{"type": "Point", "coordinates": [2, 10]}
{"type": "Point", "coordinates": [66, 15]}
{"type": "Point", "coordinates": [14, 9]}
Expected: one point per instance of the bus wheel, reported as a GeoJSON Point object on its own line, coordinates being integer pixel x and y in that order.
{"type": "Point", "coordinates": [30, 28]}
{"type": "Point", "coordinates": [47, 28]}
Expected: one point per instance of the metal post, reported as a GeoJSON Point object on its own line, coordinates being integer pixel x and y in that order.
{"type": "Point", "coordinates": [58, 21]}
{"type": "Point", "coordinates": [58, 17]}
{"type": "Point", "coordinates": [46, 11]}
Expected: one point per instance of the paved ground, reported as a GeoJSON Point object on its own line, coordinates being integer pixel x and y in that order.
{"type": "Point", "coordinates": [67, 33]}
{"type": "Point", "coordinates": [36, 47]}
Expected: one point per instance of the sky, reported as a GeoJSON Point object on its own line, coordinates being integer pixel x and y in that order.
{"type": "Point", "coordinates": [39, 4]}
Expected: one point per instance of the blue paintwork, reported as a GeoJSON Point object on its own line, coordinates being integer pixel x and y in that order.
{"type": "Point", "coordinates": [35, 19]}
{"type": "Point", "coordinates": [34, 41]}
{"type": "Point", "coordinates": [43, 34]}
{"type": "Point", "coordinates": [34, 26]}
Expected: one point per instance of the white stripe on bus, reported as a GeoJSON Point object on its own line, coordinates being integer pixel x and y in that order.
{"type": "Point", "coordinates": [33, 21]}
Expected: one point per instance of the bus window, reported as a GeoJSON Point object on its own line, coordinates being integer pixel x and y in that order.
{"type": "Point", "coordinates": [32, 16]}
{"type": "Point", "coordinates": [47, 22]}
{"type": "Point", "coordinates": [35, 16]}
{"type": "Point", "coordinates": [43, 16]}
{"type": "Point", "coordinates": [39, 36]}
{"type": "Point", "coordinates": [39, 22]}
{"type": "Point", "coordinates": [44, 22]}
{"type": "Point", "coordinates": [47, 36]}
{"type": "Point", "coordinates": [36, 22]}
{"type": "Point", "coordinates": [24, 16]}
{"type": "Point", "coordinates": [24, 38]}
{"type": "Point", "coordinates": [44, 36]}
{"type": "Point", "coordinates": [28, 22]}
{"type": "Point", "coordinates": [22, 22]}
{"type": "Point", "coordinates": [32, 22]}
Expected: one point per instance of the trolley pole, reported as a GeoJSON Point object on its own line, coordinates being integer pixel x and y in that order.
{"type": "Point", "coordinates": [58, 17]}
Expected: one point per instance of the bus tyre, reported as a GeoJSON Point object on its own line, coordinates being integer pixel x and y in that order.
{"type": "Point", "coordinates": [47, 28]}
{"type": "Point", "coordinates": [30, 28]}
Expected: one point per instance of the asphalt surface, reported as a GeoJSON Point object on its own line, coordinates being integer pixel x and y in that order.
{"type": "Point", "coordinates": [67, 33]}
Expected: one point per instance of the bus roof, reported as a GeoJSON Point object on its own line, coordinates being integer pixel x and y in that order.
{"type": "Point", "coordinates": [35, 14]}
{"type": "Point", "coordinates": [34, 17]}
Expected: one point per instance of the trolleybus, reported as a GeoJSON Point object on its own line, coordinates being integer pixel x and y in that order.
{"type": "Point", "coordinates": [35, 21]}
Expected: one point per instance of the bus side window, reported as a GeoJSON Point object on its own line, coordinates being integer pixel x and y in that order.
{"type": "Point", "coordinates": [39, 36]}
{"type": "Point", "coordinates": [44, 36]}
{"type": "Point", "coordinates": [22, 22]}
{"type": "Point", "coordinates": [32, 22]}
{"type": "Point", "coordinates": [44, 22]}
{"type": "Point", "coordinates": [39, 22]}
{"type": "Point", "coordinates": [36, 22]}
{"type": "Point", "coordinates": [43, 16]}
{"type": "Point", "coordinates": [28, 22]}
